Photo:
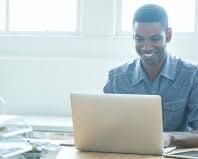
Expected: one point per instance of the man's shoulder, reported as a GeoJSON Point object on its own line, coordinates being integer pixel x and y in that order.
{"type": "Point", "coordinates": [124, 69]}
{"type": "Point", "coordinates": [186, 65]}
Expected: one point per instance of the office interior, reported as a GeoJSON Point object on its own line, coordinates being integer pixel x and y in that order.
{"type": "Point", "coordinates": [39, 70]}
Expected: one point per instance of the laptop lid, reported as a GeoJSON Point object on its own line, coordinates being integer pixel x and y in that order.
{"type": "Point", "coordinates": [117, 123]}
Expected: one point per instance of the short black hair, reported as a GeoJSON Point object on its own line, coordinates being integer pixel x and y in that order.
{"type": "Point", "coordinates": [151, 13]}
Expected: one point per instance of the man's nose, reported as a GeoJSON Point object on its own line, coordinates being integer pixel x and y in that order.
{"type": "Point", "coordinates": [147, 45]}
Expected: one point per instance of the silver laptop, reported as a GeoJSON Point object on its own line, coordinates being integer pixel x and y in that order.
{"type": "Point", "coordinates": [117, 123]}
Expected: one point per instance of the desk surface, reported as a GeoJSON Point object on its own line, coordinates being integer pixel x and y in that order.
{"type": "Point", "coordinates": [72, 153]}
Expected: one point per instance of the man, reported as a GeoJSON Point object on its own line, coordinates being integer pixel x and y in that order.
{"type": "Point", "coordinates": [156, 72]}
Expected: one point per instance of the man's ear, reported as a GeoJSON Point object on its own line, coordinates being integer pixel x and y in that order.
{"type": "Point", "coordinates": [168, 34]}
{"type": "Point", "coordinates": [133, 36]}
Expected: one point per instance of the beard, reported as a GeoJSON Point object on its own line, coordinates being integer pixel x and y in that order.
{"type": "Point", "coordinates": [153, 56]}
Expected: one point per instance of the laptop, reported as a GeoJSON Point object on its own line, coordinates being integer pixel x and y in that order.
{"type": "Point", "coordinates": [122, 123]}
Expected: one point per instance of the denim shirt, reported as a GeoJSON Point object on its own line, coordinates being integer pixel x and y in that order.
{"type": "Point", "coordinates": [177, 84]}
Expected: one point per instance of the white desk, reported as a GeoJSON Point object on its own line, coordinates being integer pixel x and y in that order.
{"type": "Point", "coordinates": [49, 123]}
{"type": "Point", "coordinates": [72, 153]}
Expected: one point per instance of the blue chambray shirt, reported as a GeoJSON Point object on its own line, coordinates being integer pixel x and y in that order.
{"type": "Point", "coordinates": [177, 84]}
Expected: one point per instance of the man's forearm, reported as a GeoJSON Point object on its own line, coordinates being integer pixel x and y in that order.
{"type": "Point", "coordinates": [184, 139]}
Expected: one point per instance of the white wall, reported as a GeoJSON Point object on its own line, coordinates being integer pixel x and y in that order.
{"type": "Point", "coordinates": [39, 71]}
{"type": "Point", "coordinates": [41, 86]}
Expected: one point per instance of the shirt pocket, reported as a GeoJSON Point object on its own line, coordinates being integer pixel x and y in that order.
{"type": "Point", "coordinates": [173, 114]}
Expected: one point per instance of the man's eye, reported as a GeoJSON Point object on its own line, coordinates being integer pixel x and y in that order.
{"type": "Point", "coordinates": [139, 39]}
{"type": "Point", "coordinates": [156, 39]}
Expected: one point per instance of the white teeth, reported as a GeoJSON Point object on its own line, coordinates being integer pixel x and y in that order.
{"type": "Point", "coordinates": [148, 55]}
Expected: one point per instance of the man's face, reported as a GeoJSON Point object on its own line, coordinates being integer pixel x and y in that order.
{"type": "Point", "coordinates": [150, 42]}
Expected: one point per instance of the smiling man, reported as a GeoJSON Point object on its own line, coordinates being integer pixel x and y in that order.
{"type": "Point", "coordinates": [156, 72]}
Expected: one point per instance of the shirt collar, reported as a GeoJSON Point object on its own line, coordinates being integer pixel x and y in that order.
{"type": "Point", "coordinates": [168, 71]}
{"type": "Point", "coordinates": [138, 73]}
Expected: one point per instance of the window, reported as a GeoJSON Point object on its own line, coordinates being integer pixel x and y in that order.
{"type": "Point", "coordinates": [2, 14]}
{"type": "Point", "coordinates": [181, 13]}
{"type": "Point", "coordinates": [39, 15]}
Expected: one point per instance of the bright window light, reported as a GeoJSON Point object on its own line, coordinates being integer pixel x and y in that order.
{"type": "Point", "coordinates": [181, 13]}
{"type": "Point", "coordinates": [43, 15]}
{"type": "Point", "coordinates": [2, 14]}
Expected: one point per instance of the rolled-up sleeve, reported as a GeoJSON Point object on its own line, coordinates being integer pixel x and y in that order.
{"type": "Point", "coordinates": [193, 102]}
{"type": "Point", "coordinates": [108, 88]}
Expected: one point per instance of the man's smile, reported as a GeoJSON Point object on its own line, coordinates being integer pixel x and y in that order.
{"type": "Point", "coordinates": [148, 54]}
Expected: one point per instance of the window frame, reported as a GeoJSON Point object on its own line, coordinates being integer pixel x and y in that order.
{"type": "Point", "coordinates": [118, 22]}
{"type": "Point", "coordinates": [78, 31]}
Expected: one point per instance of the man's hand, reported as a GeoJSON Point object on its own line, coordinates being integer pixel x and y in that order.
{"type": "Point", "coordinates": [167, 139]}
{"type": "Point", "coordinates": [181, 139]}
